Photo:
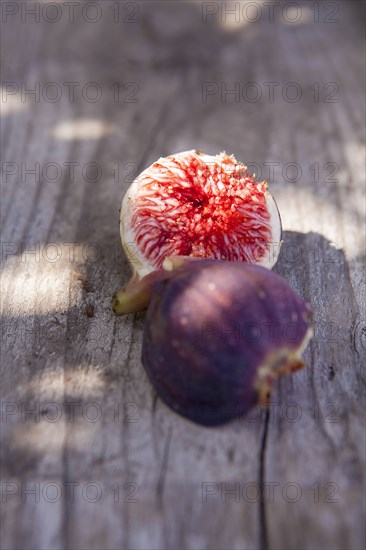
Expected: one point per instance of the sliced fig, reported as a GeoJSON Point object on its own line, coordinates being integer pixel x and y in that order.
{"type": "Point", "coordinates": [198, 206]}
{"type": "Point", "coordinates": [218, 334]}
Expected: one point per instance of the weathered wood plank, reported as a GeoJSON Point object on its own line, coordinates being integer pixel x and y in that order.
{"type": "Point", "coordinates": [315, 450]}
{"type": "Point", "coordinates": [98, 432]}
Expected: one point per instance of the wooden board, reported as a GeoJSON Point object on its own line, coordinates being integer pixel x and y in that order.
{"type": "Point", "coordinates": [109, 465]}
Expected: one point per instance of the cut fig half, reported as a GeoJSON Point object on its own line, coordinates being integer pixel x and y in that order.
{"type": "Point", "coordinates": [194, 205]}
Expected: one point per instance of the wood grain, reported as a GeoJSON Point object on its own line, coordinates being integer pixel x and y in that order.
{"type": "Point", "coordinates": [131, 473]}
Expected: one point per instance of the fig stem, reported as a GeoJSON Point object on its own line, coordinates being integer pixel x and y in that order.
{"type": "Point", "coordinates": [136, 295]}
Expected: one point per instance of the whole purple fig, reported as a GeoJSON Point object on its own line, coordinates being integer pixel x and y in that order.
{"type": "Point", "coordinates": [217, 335]}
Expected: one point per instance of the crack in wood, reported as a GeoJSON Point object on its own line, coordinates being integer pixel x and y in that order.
{"type": "Point", "coordinates": [163, 469]}
{"type": "Point", "coordinates": [263, 533]}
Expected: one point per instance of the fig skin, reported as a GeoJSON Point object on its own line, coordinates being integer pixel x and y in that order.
{"type": "Point", "coordinates": [217, 335]}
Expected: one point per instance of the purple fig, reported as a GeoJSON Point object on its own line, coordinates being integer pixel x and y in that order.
{"type": "Point", "coordinates": [218, 334]}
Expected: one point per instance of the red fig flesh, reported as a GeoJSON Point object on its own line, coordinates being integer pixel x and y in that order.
{"type": "Point", "coordinates": [196, 205]}
{"type": "Point", "coordinates": [218, 334]}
